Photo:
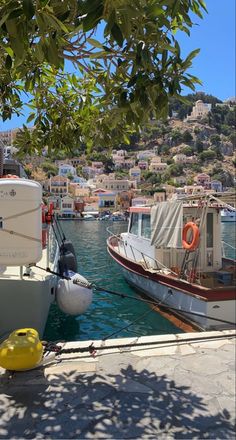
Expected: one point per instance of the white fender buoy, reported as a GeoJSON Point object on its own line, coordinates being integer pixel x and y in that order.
{"type": "Point", "coordinates": [74, 296]}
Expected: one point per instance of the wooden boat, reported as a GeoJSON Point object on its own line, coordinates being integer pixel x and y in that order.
{"type": "Point", "coordinates": [172, 252]}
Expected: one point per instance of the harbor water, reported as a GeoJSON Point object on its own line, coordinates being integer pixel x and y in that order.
{"type": "Point", "coordinates": [109, 314]}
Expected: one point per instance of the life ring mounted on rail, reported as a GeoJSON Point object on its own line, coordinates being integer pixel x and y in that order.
{"type": "Point", "coordinates": [193, 244]}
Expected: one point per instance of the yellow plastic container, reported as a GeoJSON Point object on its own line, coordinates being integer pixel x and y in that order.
{"type": "Point", "coordinates": [21, 351]}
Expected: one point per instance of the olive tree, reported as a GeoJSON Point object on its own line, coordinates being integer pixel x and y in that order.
{"type": "Point", "coordinates": [126, 59]}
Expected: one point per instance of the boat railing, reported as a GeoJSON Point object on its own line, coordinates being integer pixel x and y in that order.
{"type": "Point", "coordinates": [224, 248]}
{"type": "Point", "coordinates": [121, 244]}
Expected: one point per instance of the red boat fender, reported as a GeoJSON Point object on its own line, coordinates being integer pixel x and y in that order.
{"type": "Point", "coordinates": [49, 214]}
{"type": "Point", "coordinates": [44, 237]}
{"type": "Point", "coordinates": [190, 246]}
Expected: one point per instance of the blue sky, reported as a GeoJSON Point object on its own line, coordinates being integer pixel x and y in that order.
{"type": "Point", "coordinates": [215, 65]}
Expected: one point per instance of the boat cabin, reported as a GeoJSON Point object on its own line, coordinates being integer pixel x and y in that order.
{"type": "Point", "coordinates": [141, 243]}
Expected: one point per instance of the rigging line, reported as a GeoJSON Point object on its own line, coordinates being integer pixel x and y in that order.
{"type": "Point", "coordinates": [63, 277]}
{"type": "Point", "coordinates": [227, 244]}
{"type": "Point", "coordinates": [60, 231]}
{"type": "Point", "coordinates": [55, 234]}
{"type": "Point", "coordinates": [28, 237]}
{"type": "Point", "coordinates": [22, 213]}
{"type": "Point", "coordinates": [139, 317]}
{"type": "Point", "coordinates": [122, 295]}
{"type": "Point", "coordinates": [128, 325]}
{"type": "Point", "coordinates": [141, 344]}
{"type": "Point", "coordinates": [60, 227]}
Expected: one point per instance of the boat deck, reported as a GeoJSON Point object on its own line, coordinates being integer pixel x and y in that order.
{"type": "Point", "coordinates": [18, 272]}
{"type": "Point", "coordinates": [226, 276]}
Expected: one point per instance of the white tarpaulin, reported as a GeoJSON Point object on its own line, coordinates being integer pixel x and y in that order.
{"type": "Point", "coordinates": [167, 224]}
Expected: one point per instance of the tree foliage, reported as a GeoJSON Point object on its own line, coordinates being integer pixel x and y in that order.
{"type": "Point", "coordinates": [125, 54]}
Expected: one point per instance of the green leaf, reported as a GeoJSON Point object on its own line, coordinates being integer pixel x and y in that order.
{"type": "Point", "coordinates": [92, 19]}
{"type": "Point", "coordinates": [31, 117]}
{"type": "Point", "coordinates": [191, 56]}
{"type": "Point", "coordinates": [9, 51]}
{"type": "Point", "coordinates": [117, 34]}
{"type": "Point", "coordinates": [203, 5]}
{"type": "Point", "coordinates": [8, 62]}
{"type": "Point", "coordinates": [28, 8]}
{"type": "Point", "coordinates": [12, 27]}
{"type": "Point", "coordinates": [95, 43]}
{"type": "Point", "coordinates": [4, 18]}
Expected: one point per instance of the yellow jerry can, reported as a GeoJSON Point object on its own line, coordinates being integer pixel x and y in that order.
{"type": "Point", "coordinates": [21, 351]}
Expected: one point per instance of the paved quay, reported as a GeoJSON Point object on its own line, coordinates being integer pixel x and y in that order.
{"type": "Point", "coordinates": [173, 387]}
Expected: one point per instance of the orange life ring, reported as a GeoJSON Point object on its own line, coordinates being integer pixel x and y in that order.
{"type": "Point", "coordinates": [190, 246]}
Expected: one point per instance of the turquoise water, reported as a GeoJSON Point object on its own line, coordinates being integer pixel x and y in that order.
{"type": "Point", "coordinates": [109, 313]}
{"type": "Point", "coordinates": [229, 237]}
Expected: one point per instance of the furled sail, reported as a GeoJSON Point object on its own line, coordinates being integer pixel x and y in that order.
{"type": "Point", "coordinates": [167, 224]}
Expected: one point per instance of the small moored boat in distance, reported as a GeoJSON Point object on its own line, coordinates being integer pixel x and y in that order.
{"type": "Point", "coordinates": [228, 215]}
{"type": "Point", "coordinates": [172, 252]}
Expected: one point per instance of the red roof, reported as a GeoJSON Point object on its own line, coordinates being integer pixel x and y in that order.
{"type": "Point", "coordinates": [143, 209]}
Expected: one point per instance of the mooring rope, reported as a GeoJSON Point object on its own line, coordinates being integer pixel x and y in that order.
{"type": "Point", "coordinates": [123, 295]}
{"type": "Point", "coordinates": [58, 350]}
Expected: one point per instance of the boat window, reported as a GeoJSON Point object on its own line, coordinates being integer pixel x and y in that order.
{"type": "Point", "coordinates": [134, 224]}
{"type": "Point", "coordinates": [209, 230]}
{"type": "Point", "coordinates": [146, 226]}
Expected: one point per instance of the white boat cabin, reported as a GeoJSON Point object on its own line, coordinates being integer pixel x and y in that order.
{"type": "Point", "coordinates": [139, 246]}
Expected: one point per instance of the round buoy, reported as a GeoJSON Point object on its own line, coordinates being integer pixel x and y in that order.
{"type": "Point", "coordinates": [72, 297]}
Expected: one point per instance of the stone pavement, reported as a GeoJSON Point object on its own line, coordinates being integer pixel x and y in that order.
{"type": "Point", "coordinates": [182, 389]}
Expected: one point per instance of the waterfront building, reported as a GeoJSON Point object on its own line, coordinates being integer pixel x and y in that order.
{"type": "Point", "coordinates": [116, 154]}
{"type": "Point", "coordinates": [121, 162]}
{"type": "Point", "coordinates": [142, 201]}
{"type": "Point", "coordinates": [123, 200]}
{"type": "Point", "coordinates": [55, 201]}
{"type": "Point", "coordinates": [106, 200]}
{"type": "Point", "coordinates": [67, 206]}
{"type": "Point", "coordinates": [116, 185]}
{"type": "Point", "coordinates": [59, 185]}
{"type": "Point", "coordinates": [193, 189]}
{"type": "Point", "coordinates": [170, 190]}
{"type": "Point", "coordinates": [135, 173]}
{"type": "Point", "coordinates": [65, 169]}
{"type": "Point", "coordinates": [98, 166]}
{"type": "Point", "coordinates": [91, 204]}
{"type": "Point", "coordinates": [156, 166]}
{"type": "Point", "coordinates": [202, 179]}
{"type": "Point", "coordinates": [7, 137]}
{"type": "Point", "coordinates": [216, 186]}
{"type": "Point", "coordinates": [92, 172]}
{"type": "Point", "coordinates": [77, 190]}
{"type": "Point", "coordinates": [180, 180]}
{"type": "Point", "coordinates": [143, 164]}
{"type": "Point", "coordinates": [181, 158]}
{"type": "Point", "coordinates": [75, 161]}
{"type": "Point", "coordinates": [146, 154]}
{"type": "Point", "coordinates": [159, 196]}
{"type": "Point", "coordinates": [79, 205]}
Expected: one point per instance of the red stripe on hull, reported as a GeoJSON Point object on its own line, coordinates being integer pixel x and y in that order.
{"type": "Point", "coordinates": [204, 293]}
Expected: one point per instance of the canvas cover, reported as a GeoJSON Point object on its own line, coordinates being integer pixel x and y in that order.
{"type": "Point", "coordinates": [167, 224]}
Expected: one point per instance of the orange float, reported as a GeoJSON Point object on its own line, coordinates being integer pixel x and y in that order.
{"type": "Point", "coordinates": [193, 244]}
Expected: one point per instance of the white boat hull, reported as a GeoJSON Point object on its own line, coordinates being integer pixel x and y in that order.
{"type": "Point", "coordinates": [172, 297]}
{"type": "Point", "coordinates": [25, 303]}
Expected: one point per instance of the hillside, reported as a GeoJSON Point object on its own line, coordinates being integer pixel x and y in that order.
{"type": "Point", "coordinates": [206, 143]}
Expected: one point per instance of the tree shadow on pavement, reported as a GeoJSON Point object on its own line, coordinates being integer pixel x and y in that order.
{"type": "Point", "coordinates": [128, 405]}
